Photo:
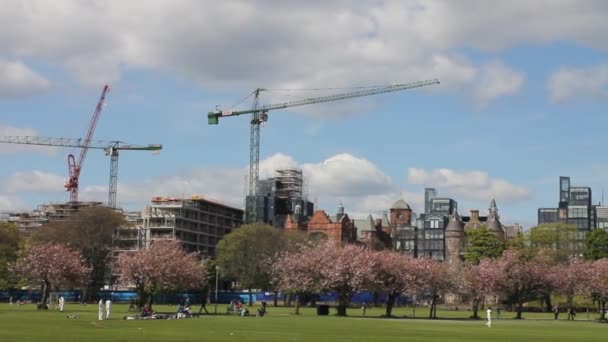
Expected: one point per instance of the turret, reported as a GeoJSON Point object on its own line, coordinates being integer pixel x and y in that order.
{"type": "Point", "coordinates": [493, 223]}
{"type": "Point", "coordinates": [454, 238]}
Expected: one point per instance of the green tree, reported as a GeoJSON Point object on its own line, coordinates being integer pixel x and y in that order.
{"type": "Point", "coordinates": [89, 231]}
{"type": "Point", "coordinates": [247, 252]}
{"type": "Point", "coordinates": [557, 237]}
{"type": "Point", "coordinates": [10, 244]}
{"type": "Point", "coordinates": [482, 244]}
{"type": "Point", "coordinates": [596, 245]}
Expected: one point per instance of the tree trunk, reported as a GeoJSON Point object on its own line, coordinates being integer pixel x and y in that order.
{"type": "Point", "coordinates": [149, 301]}
{"type": "Point", "coordinates": [297, 312]}
{"type": "Point", "coordinates": [276, 299]}
{"type": "Point", "coordinates": [250, 298]}
{"type": "Point", "coordinates": [342, 303]}
{"type": "Point", "coordinates": [475, 308]}
{"type": "Point", "coordinates": [548, 303]}
{"type": "Point", "coordinates": [520, 307]}
{"type": "Point", "coordinates": [433, 311]}
{"type": "Point", "coordinates": [390, 302]}
{"type": "Point", "coordinates": [45, 295]}
{"type": "Point", "coordinates": [83, 295]}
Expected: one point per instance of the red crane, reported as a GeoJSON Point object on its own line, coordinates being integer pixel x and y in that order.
{"type": "Point", "coordinates": [75, 167]}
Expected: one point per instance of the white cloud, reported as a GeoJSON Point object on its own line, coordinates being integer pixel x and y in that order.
{"type": "Point", "coordinates": [578, 82]}
{"type": "Point", "coordinates": [6, 148]}
{"type": "Point", "coordinates": [469, 185]}
{"type": "Point", "coordinates": [11, 203]}
{"type": "Point", "coordinates": [358, 183]}
{"type": "Point", "coordinates": [496, 80]}
{"type": "Point", "coordinates": [345, 175]}
{"type": "Point", "coordinates": [355, 182]}
{"type": "Point", "coordinates": [35, 181]}
{"type": "Point", "coordinates": [17, 80]}
{"type": "Point", "coordinates": [302, 44]}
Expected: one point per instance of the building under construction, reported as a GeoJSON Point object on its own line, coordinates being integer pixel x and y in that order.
{"type": "Point", "coordinates": [197, 222]}
{"type": "Point", "coordinates": [28, 222]}
{"type": "Point", "coordinates": [280, 196]}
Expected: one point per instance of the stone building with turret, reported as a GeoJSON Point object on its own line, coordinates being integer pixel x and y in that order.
{"type": "Point", "coordinates": [440, 232]}
{"type": "Point", "coordinates": [455, 241]}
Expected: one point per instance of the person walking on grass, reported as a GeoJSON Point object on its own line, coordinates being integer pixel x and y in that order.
{"type": "Point", "coordinates": [489, 316]}
{"type": "Point", "coordinates": [108, 307]}
{"type": "Point", "coordinates": [61, 303]}
{"type": "Point", "coordinates": [100, 313]}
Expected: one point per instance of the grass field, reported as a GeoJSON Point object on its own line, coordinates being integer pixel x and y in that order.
{"type": "Point", "coordinates": [24, 323]}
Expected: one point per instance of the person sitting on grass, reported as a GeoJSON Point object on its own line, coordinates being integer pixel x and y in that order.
{"type": "Point", "coordinates": [146, 312]}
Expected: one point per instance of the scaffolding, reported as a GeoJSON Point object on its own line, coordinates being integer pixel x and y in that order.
{"type": "Point", "coordinates": [290, 184]}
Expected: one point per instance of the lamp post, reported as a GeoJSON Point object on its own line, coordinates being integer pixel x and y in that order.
{"type": "Point", "coordinates": [217, 272]}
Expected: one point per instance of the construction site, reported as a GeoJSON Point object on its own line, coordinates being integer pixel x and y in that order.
{"type": "Point", "coordinates": [197, 221]}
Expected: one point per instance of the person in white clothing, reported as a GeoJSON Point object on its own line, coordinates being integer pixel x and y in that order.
{"type": "Point", "coordinates": [101, 309]}
{"type": "Point", "coordinates": [108, 307]}
{"type": "Point", "coordinates": [61, 303]}
{"type": "Point", "coordinates": [489, 316]}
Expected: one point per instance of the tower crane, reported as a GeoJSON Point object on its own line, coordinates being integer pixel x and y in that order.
{"type": "Point", "coordinates": [75, 167]}
{"type": "Point", "coordinates": [111, 149]}
{"type": "Point", "coordinates": [259, 114]}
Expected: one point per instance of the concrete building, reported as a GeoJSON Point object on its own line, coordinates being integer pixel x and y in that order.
{"type": "Point", "coordinates": [601, 212]}
{"type": "Point", "coordinates": [197, 222]}
{"type": "Point", "coordinates": [281, 196]}
{"type": "Point", "coordinates": [28, 222]}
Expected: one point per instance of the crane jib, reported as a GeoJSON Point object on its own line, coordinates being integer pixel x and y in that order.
{"type": "Point", "coordinates": [213, 117]}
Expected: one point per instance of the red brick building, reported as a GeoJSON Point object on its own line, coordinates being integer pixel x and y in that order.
{"type": "Point", "coordinates": [341, 229]}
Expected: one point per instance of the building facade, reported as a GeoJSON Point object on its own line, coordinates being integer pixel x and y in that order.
{"type": "Point", "coordinates": [320, 226]}
{"type": "Point", "coordinates": [281, 196]}
{"type": "Point", "coordinates": [197, 222]}
{"type": "Point", "coordinates": [440, 232]}
{"type": "Point", "coordinates": [28, 222]}
{"type": "Point", "coordinates": [574, 207]}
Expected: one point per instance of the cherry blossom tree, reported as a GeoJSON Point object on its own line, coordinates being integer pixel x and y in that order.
{"type": "Point", "coordinates": [478, 282]}
{"type": "Point", "coordinates": [523, 277]}
{"type": "Point", "coordinates": [598, 284]}
{"type": "Point", "coordinates": [395, 274]}
{"type": "Point", "coordinates": [51, 265]}
{"type": "Point", "coordinates": [327, 267]}
{"type": "Point", "coordinates": [344, 270]}
{"type": "Point", "coordinates": [294, 271]}
{"type": "Point", "coordinates": [570, 279]}
{"type": "Point", "coordinates": [162, 267]}
{"type": "Point", "coordinates": [438, 279]}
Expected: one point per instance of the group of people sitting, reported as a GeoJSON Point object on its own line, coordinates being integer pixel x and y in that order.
{"type": "Point", "coordinates": [237, 307]}
{"type": "Point", "coordinates": [184, 311]}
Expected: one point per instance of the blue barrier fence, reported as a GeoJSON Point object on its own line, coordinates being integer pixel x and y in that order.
{"type": "Point", "coordinates": [197, 297]}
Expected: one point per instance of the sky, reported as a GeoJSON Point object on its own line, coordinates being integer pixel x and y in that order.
{"type": "Point", "coordinates": [521, 102]}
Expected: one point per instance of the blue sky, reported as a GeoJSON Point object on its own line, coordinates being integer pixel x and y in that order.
{"type": "Point", "coordinates": [521, 100]}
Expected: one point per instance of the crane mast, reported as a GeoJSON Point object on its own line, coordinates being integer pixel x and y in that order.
{"type": "Point", "coordinates": [259, 114]}
{"type": "Point", "coordinates": [74, 166]}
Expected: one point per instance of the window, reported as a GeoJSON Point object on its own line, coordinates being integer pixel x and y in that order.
{"type": "Point", "coordinates": [578, 211]}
